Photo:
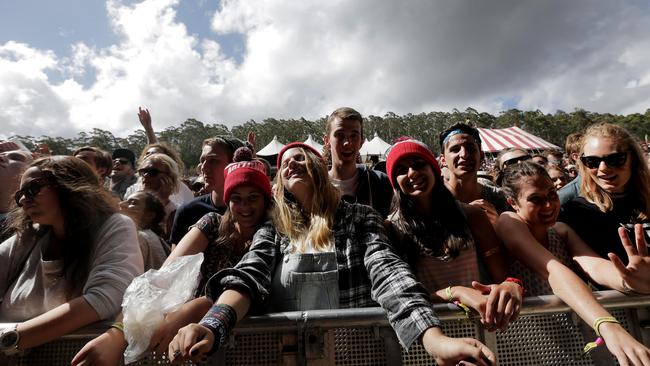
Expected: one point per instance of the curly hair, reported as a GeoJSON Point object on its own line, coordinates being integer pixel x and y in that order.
{"type": "Point", "coordinates": [85, 206]}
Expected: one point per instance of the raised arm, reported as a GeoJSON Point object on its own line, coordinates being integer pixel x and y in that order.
{"type": "Point", "coordinates": [145, 121]}
{"type": "Point", "coordinates": [567, 286]}
{"type": "Point", "coordinates": [613, 273]}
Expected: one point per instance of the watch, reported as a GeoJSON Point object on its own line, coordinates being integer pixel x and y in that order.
{"type": "Point", "coordinates": [9, 341]}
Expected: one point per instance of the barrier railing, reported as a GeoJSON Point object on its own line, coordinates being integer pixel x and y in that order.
{"type": "Point", "coordinates": [546, 333]}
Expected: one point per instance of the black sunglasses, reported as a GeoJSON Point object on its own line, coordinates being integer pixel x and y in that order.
{"type": "Point", "coordinates": [31, 189]}
{"type": "Point", "coordinates": [614, 160]}
{"type": "Point", "coordinates": [516, 160]}
{"type": "Point", "coordinates": [152, 172]}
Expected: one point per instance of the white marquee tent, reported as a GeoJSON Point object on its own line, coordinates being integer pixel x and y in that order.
{"type": "Point", "coordinates": [376, 146]}
{"type": "Point", "coordinates": [311, 142]}
{"type": "Point", "coordinates": [273, 148]}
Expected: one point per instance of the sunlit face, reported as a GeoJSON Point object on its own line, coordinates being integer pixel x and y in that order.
{"type": "Point", "coordinates": [134, 207]}
{"type": "Point", "coordinates": [462, 155]}
{"type": "Point", "coordinates": [247, 206]}
{"type": "Point", "coordinates": [214, 159]}
{"type": "Point", "coordinates": [558, 177]}
{"type": "Point", "coordinates": [610, 178]}
{"type": "Point", "coordinates": [537, 203]}
{"type": "Point", "coordinates": [155, 177]}
{"type": "Point", "coordinates": [42, 205]}
{"type": "Point", "coordinates": [294, 174]}
{"type": "Point", "coordinates": [344, 139]}
{"type": "Point", "coordinates": [415, 177]}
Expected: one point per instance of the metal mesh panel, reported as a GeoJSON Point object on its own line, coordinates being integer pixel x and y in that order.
{"type": "Point", "coordinates": [417, 355]}
{"type": "Point", "coordinates": [358, 346]}
{"type": "Point", "coordinates": [53, 353]}
{"type": "Point", "coordinates": [255, 349]}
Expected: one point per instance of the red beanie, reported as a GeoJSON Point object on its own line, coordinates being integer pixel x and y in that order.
{"type": "Point", "coordinates": [291, 146]}
{"type": "Point", "coordinates": [406, 148]}
{"type": "Point", "coordinates": [245, 172]}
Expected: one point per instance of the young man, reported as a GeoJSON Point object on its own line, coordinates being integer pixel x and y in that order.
{"type": "Point", "coordinates": [462, 155]}
{"type": "Point", "coordinates": [217, 152]}
{"type": "Point", "coordinates": [343, 139]}
{"type": "Point", "coordinates": [123, 173]}
{"type": "Point", "coordinates": [96, 158]}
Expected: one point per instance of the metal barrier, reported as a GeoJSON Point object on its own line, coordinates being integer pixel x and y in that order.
{"type": "Point", "coordinates": [546, 333]}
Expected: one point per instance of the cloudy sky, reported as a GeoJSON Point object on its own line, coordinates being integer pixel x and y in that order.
{"type": "Point", "coordinates": [71, 65]}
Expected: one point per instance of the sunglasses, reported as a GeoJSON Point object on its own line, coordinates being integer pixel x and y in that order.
{"type": "Point", "coordinates": [614, 160]}
{"type": "Point", "coordinates": [31, 189]}
{"type": "Point", "coordinates": [516, 160]}
{"type": "Point", "coordinates": [152, 172]}
{"type": "Point", "coordinates": [121, 161]}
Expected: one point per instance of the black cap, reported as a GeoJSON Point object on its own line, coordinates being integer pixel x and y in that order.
{"type": "Point", "coordinates": [125, 153]}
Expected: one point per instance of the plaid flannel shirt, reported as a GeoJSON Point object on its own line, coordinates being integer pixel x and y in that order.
{"type": "Point", "coordinates": [369, 269]}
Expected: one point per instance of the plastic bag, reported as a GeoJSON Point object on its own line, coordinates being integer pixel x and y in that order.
{"type": "Point", "coordinates": [152, 295]}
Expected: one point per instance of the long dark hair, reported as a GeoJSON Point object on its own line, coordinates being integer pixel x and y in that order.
{"type": "Point", "coordinates": [444, 233]}
{"type": "Point", "coordinates": [85, 206]}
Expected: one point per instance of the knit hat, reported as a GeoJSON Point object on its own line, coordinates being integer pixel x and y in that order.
{"type": "Point", "coordinates": [291, 146]}
{"type": "Point", "coordinates": [408, 148]}
{"type": "Point", "coordinates": [245, 172]}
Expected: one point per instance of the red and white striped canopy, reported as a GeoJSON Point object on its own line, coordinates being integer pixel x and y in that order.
{"type": "Point", "coordinates": [495, 140]}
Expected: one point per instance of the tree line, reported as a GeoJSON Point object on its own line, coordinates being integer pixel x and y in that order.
{"type": "Point", "coordinates": [187, 137]}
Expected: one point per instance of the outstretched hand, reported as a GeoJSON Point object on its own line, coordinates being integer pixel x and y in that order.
{"type": "Point", "coordinates": [503, 303]}
{"type": "Point", "coordinates": [145, 117]}
{"type": "Point", "coordinates": [192, 342]}
{"type": "Point", "coordinates": [635, 275]}
{"type": "Point", "coordinates": [456, 351]}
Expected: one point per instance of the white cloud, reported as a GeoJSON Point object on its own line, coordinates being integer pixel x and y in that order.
{"type": "Point", "coordinates": [305, 58]}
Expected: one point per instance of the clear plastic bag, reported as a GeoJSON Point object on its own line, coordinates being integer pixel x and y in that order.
{"type": "Point", "coordinates": [152, 295]}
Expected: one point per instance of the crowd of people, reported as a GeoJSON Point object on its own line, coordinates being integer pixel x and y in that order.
{"type": "Point", "coordinates": [326, 232]}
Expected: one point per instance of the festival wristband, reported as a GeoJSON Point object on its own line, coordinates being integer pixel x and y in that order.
{"type": "Point", "coordinates": [119, 326]}
{"type": "Point", "coordinates": [603, 319]}
{"type": "Point", "coordinates": [518, 282]}
{"type": "Point", "coordinates": [450, 297]}
{"type": "Point", "coordinates": [220, 319]}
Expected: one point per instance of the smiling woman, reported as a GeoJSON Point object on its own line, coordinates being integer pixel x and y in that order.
{"type": "Point", "coordinates": [614, 192]}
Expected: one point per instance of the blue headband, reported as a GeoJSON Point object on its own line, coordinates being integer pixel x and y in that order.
{"type": "Point", "coordinates": [458, 132]}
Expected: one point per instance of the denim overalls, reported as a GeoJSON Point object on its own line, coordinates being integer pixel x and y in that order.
{"type": "Point", "coordinates": [305, 281]}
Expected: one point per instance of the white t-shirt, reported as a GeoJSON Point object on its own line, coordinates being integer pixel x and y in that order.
{"type": "Point", "coordinates": [348, 187]}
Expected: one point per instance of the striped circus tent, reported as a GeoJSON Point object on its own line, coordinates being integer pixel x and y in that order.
{"type": "Point", "coordinates": [495, 140]}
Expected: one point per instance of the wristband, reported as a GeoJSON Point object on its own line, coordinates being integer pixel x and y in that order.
{"type": "Point", "coordinates": [220, 319]}
{"type": "Point", "coordinates": [518, 282]}
{"type": "Point", "coordinates": [450, 297]}
{"type": "Point", "coordinates": [627, 289]}
{"type": "Point", "coordinates": [603, 319]}
{"type": "Point", "coordinates": [599, 341]}
{"type": "Point", "coordinates": [119, 326]}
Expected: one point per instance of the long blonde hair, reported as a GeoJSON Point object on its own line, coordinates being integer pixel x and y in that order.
{"type": "Point", "coordinates": [316, 226]}
{"type": "Point", "coordinates": [639, 183]}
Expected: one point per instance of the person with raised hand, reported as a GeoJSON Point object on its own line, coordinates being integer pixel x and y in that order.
{"type": "Point", "coordinates": [545, 250]}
